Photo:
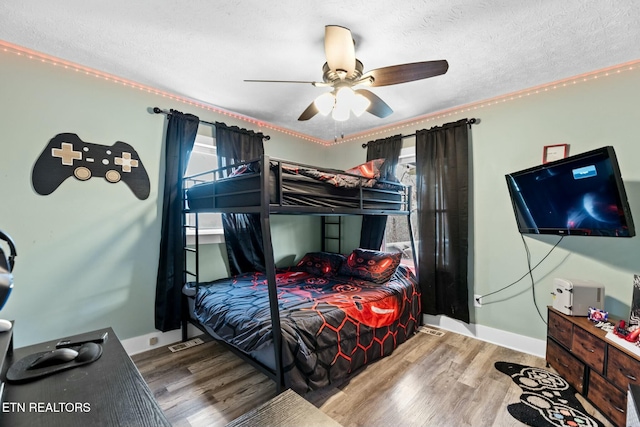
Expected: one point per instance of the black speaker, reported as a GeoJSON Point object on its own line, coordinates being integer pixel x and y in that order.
{"type": "Point", "coordinates": [6, 267]}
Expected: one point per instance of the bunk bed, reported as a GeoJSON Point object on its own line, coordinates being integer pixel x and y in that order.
{"type": "Point", "coordinates": [312, 324]}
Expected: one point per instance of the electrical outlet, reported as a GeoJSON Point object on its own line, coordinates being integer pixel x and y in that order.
{"type": "Point", "coordinates": [153, 340]}
{"type": "Point", "coordinates": [477, 300]}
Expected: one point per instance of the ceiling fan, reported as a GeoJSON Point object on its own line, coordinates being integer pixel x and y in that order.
{"type": "Point", "coordinates": [343, 72]}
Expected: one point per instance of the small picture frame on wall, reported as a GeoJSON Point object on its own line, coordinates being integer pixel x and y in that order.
{"type": "Point", "coordinates": [554, 152]}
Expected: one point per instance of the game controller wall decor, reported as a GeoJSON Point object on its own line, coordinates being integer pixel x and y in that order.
{"type": "Point", "coordinates": [67, 155]}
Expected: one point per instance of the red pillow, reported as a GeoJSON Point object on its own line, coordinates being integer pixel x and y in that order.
{"type": "Point", "coordinates": [370, 169]}
{"type": "Point", "coordinates": [373, 266]}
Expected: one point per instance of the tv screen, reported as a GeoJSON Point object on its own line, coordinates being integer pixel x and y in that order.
{"type": "Point", "coordinates": [578, 195]}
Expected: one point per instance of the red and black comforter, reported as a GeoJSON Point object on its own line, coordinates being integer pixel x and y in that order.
{"type": "Point", "coordinates": [331, 325]}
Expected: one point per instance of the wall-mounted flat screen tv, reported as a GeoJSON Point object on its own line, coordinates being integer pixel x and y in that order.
{"type": "Point", "coordinates": [578, 195]}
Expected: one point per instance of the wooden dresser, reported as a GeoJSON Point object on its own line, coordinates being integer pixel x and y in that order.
{"type": "Point", "coordinates": [598, 368]}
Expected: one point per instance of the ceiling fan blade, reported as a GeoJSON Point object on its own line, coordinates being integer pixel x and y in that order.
{"type": "Point", "coordinates": [311, 111]}
{"type": "Point", "coordinates": [377, 107]}
{"type": "Point", "coordinates": [404, 73]}
{"type": "Point", "coordinates": [339, 49]}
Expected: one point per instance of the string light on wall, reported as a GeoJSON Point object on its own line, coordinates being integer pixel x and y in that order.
{"type": "Point", "coordinates": [41, 57]}
{"type": "Point", "coordinates": [414, 123]}
{"type": "Point", "coordinates": [350, 105]}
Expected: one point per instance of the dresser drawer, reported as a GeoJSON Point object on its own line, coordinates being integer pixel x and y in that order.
{"type": "Point", "coordinates": [609, 400]}
{"type": "Point", "coordinates": [560, 328]}
{"type": "Point", "coordinates": [622, 369]}
{"type": "Point", "coordinates": [567, 366]}
{"type": "Point", "coordinates": [588, 348]}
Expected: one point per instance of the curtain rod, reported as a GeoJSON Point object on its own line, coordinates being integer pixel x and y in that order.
{"type": "Point", "coordinates": [472, 121]}
{"type": "Point", "coordinates": [165, 112]}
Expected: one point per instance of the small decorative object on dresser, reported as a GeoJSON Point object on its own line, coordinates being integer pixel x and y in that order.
{"type": "Point", "coordinates": [634, 317]}
{"type": "Point", "coordinates": [599, 369]}
{"type": "Point", "coordinates": [574, 297]}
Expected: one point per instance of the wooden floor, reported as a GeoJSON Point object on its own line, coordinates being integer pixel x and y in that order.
{"type": "Point", "coordinates": [428, 381]}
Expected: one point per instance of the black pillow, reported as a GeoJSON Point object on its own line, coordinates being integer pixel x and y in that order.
{"type": "Point", "coordinates": [370, 265]}
{"type": "Point", "coordinates": [320, 263]}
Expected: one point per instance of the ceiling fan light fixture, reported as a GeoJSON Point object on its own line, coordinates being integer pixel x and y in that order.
{"type": "Point", "coordinates": [344, 101]}
{"type": "Point", "coordinates": [325, 102]}
{"type": "Point", "coordinates": [340, 112]}
{"type": "Point", "coordinates": [342, 72]}
{"type": "Point", "coordinates": [359, 104]}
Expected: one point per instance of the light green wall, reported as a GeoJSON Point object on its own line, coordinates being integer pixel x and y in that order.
{"type": "Point", "coordinates": [87, 253]}
{"type": "Point", "coordinates": [586, 115]}
{"type": "Point", "coordinates": [510, 137]}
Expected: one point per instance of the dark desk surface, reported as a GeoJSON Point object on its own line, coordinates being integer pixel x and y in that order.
{"type": "Point", "coordinates": [107, 392]}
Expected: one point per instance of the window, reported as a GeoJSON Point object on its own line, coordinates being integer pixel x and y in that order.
{"type": "Point", "coordinates": [397, 231]}
{"type": "Point", "coordinates": [203, 158]}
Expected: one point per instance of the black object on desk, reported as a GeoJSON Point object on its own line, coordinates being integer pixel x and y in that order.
{"type": "Point", "coordinates": [108, 392]}
{"type": "Point", "coordinates": [44, 363]}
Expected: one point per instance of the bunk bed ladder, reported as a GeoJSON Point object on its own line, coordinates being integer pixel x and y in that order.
{"type": "Point", "coordinates": [414, 254]}
{"type": "Point", "coordinates": [332, 234]}
{"type": "Point", "coordinates": [186, 272]}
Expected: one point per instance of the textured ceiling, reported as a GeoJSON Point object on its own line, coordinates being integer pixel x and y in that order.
{"type": "Point", "coordinates": [204, 50]}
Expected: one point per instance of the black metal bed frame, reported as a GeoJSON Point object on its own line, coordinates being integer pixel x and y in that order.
{"type": "Point", "coordinates": [266, 208]}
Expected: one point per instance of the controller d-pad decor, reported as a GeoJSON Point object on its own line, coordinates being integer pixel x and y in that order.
{"type": "Point", "coordinates": [67, 155]}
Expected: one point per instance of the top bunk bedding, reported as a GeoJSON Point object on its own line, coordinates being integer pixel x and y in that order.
{"type": "Point", "coordinates": [296, 188]}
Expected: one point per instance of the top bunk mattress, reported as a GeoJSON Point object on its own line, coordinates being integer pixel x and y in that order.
{"type": "Point", "coordinates": [295, 187]}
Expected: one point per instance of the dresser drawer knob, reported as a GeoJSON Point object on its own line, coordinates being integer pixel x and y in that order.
{"type": "Point", "coordinates": [590, 350]}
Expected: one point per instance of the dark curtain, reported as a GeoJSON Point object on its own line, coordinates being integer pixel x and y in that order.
{"type": "Point", "coordinates": [179, 139]}
{"type": "Point", "coordinates": [373, 226]}
{"type": "Point", "coordinates": [442, 166]}
{"type": "Point", "coordinates": [242, 232]}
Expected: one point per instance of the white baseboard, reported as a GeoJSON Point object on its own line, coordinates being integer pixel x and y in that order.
{"type": "Point", "coordinates": [499, 337]}
{"type": "Point", "coordinates": [142, 343]}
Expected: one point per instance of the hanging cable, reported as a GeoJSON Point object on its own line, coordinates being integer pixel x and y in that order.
{"type": "Point", "coordinates": [528, 273]}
